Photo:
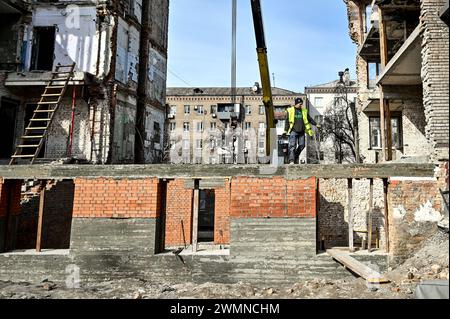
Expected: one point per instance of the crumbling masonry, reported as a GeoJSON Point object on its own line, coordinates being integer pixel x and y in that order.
{"type": "Point", "coordinates": [102, 38]}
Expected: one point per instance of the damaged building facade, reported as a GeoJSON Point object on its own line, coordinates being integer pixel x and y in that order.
{"type": "Point", "coordinates": [402, 74]}
{"type": "Point", "coordinates": [103, 39]}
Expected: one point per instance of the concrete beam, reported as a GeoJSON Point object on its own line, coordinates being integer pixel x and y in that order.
{"type": "Point", "coordinates": [215, 171]}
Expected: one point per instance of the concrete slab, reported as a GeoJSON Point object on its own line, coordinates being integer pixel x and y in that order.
{"type": "Point", "coordinates": [289, 172]}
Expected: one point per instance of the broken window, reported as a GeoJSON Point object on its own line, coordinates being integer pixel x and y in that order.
{"type": "Point", "coordinates": [8, 110]}
{"type": "Point", "coordinates": [156, 133]}
{"type": "Point", "coordinates": [373, 71]}
{"type": "Point", "coordinates": [43, 50]}
{"type": "Point", "coordinates": [375, 132]}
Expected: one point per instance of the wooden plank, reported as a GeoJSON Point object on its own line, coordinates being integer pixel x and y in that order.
{"type": "Point", "coordinates": [382, 124]}
{"type": "Point", "coordinates": [40, 218]}
{"type": "Point", "coordinates": [383, 39]}
{"type": "Point", "coordinates": [361, 22]}
{"type": "Point", "coordinates": [388, 131]}
{"type": "Point", "coordinates": [369, 217]}
{"type": "Point", "coordinates": [384, 61]}
{"type": "Point", "coordinates": [195, 220]}
{"type": "Point", "coordinates": [350, 215]}
{"type": "Point", "coordinates": [357, 267]}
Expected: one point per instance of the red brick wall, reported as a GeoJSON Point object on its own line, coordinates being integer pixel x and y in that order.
{"type": "Point", "coordinates": [222, 214]}
{"type": "Point", "coordinates": [5, 188]}
{"type": "Point", "coordinates": [274, 197]}
{"type": "Point", "coordinates": [178, 214]}
{"type": "Point", "coordinates": [106, 198]}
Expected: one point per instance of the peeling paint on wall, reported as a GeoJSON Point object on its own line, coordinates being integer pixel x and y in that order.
{"type": "Point", "coordinates": [426, 213]}
{"type": "Point", "coordinates": [127, 52]}
{"type": "Point", "coordinates": [157, 76]}
{"type": "Point", "coordinates": [73, 43]}
{"type": "Point", "coordinates": [399, 212]}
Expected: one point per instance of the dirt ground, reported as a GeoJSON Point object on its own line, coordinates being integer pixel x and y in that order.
{"type": "Point", "coordinates": [430, 262]}
{"type": "Point", "coordinates": [135, 289]}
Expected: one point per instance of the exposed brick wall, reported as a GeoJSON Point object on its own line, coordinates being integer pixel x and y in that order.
{"type": "Point", "coordinates": [274, 197]}
{"type": "Point", "coordinates": [178, 214]}
{"type": "Point", "coordinates": [414, 210]}
{"type": "Point", "coordinates": [57, 217]}
{"type": "Point", "coordinates": [222, 214]}
{"type": "Point", "coordinates": [120, 198]}
{"type": "Point", "coordinates": [435, 73]}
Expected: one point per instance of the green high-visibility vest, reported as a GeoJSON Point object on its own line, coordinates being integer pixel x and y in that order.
{"type": "Point", "coordinates": [291, 119]}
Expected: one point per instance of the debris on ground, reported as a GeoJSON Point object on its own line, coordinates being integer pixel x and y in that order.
{"type": "Point", "coordinates": [429, 263]}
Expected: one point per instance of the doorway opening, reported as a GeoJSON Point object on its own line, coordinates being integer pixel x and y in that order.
{"type": "Point", "coordinates": [8, 112]}
{"type": "Point", "coordinates": [43, 50]}
{"type": "Point", "coordinates": [206, 216]}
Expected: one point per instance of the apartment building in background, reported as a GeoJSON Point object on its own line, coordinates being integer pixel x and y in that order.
{"type": "Point", "coordinates": [402, 77]}
{"type": "Point", "coordinates": [201, 123]}
{"type": "Point", "coordinates": [103, 39]}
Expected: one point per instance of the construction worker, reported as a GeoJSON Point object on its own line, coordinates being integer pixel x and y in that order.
{"type": "Point", "coordinates": [297, 124]}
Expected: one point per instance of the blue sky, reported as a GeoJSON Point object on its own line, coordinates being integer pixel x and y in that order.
{"type": "Point", "coordinates": [307, 41]}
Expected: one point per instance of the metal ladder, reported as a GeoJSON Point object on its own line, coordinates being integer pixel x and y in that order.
{"type": "Point", "coordinates": [36, 131]}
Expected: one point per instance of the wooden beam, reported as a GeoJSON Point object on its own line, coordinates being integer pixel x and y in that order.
{"type": "Point", "coordinates": [383, 40]}
{"type": "Point", "coordinates": [357, 267]}
{"type": "Point", "coordinates": [350, 216]}
{"type": "Point", "coordinates": [382, 124]}
{"type": "Point", "coordinates": [369, 217]}
{"type": "Point", "coordinates": [386, 212]}
{"type": "Point", "coordinates": [40, 218]}
{"type": "Point", "coordinates": [195, 220]}
{"type": "Point", "coordinates": [387, 116]}
{"type": "Point", "coordinates": [361, 22]}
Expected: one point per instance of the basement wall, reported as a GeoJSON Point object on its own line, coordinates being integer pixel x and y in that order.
{"type": "Point", "coordinates": [269, 227]}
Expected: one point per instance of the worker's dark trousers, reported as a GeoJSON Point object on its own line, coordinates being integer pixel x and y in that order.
{"type": "Point", "coordinates": [296, 146]}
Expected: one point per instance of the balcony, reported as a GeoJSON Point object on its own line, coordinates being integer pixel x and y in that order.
{"type": "Point", "coordinates": [405, 66]}
{"type": "Point", "coordinates": [225, 112]}
{"type": "Point", "coordinates": [41, 78]}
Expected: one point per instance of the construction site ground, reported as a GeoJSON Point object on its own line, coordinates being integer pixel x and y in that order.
{"type": "Point", "coordinates": [429, 263]}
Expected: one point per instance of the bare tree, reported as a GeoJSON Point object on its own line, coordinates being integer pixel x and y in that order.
{"type": "Point", "coordinates": [341, 123]}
